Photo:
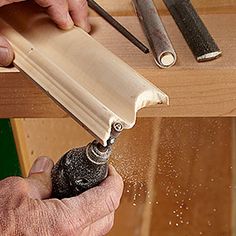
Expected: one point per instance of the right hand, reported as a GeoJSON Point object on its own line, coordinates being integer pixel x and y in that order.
{"type": "Point", "coordinates": [65, 13]}
{"type": "Point", "coordinates": [25, 207]}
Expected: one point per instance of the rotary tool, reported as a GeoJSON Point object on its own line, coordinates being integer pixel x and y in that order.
{"type": "Point", "coordinates": [83, 168]}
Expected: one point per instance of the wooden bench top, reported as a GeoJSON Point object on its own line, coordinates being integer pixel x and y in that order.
{"type": "Point", "coordinates": [195, 89]}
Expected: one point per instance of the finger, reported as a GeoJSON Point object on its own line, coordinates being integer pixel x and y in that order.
{"type": "Point", "coordinates": [39, 180]}
{"type": "Point", "coordinates": [58, 10]}
{"type": "Point", "coordinates": [79, 13]}
{"type": "Point", "coordinates": [6, 52]}
{"type": "Point", "coordinates": [97, 202]}
{"type": "Point", "coordinates": [100, 227]}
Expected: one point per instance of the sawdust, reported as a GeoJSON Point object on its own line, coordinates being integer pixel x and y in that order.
{"type": "Point", "coordinates": [187, 168]}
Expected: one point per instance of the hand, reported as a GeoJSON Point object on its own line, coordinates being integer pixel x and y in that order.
{"type": "Point", "coordinates": [6, 52]}
{"type": "Point", "coordinates": [26, 210]}
{"type": "Point", "coordinates": [65, 13]}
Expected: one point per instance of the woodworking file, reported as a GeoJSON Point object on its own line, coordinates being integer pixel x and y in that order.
{"type": "Point", "coordinates": [196, 34]}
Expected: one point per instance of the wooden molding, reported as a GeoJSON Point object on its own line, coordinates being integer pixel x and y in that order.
{"type": "Point", "coordinates": [89, 81]}
{"type": "Point", "coordinates": [9, 70]}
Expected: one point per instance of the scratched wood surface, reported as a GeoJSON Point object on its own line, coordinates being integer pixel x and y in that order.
{"type": "Point", "coordinates": [177, 171]}
{"type": "Point", "coordinates": [206, 89]}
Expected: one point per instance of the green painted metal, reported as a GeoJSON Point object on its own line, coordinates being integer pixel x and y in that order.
{"type": "Point", "coordinates": [9, 164]}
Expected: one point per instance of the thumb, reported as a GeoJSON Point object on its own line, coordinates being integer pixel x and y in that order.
{"type": "Point", "coordinates": [6, 52]}
{"type": "Point", "coordinates": [39, 180]}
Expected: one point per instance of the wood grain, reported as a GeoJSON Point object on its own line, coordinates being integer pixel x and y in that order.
{"type": "Point", "coordinates": [198, 148]}
{"type": "Point", "coordinates": [194, 178]}
{"type": "Point", "coordinates": [206, 89]}
{"type": "Point", "coordinates": [190, 158]}
{"type": "Point", "coordinates": [233, 196]}
{"type": "Point", "coordinates": [97, 92]}
{"type": "Point", "coordinates": [124, 7]}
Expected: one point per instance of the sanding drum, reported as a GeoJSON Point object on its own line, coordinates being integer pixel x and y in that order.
{"type": "Point", "coordinates": [162, 49]}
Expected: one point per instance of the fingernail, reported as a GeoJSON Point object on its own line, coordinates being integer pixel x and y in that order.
{"type": "Point", "coordinates": [42, 164]}
{"type": "Point", "coordinates": [4, 56]}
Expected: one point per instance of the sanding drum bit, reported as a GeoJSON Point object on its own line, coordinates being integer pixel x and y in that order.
{"type": "Point", "coordinates": [82, 168]}
{"type": "Point", "coordinates": [162, 48]}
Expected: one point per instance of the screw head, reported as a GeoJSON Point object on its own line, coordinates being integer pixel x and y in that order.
{"type": "Point", "coordinates": [118, 127]}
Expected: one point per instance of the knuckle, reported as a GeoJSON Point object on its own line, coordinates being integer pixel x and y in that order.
{"type": "Point", "coordinates": [18, 184]}
{"type": "Point", "coordinates": [83, 207]}
{"type": "Point", "coordinates": [16, 190]}
{"type": "Point", "coordinates": [10, 183]}
{"type": "Point", "coordinates": [65, 229]}
{"type": "Point", "coordinates": [63, 221]}
{"type": "Point", "coordinates": [21, 187]}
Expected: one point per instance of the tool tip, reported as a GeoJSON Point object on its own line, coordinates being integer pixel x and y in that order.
{"type": "Point", "coordinates": [146, 50]}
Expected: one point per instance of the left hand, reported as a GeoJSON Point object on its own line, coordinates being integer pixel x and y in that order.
{"type": "Point", "coordinates": [65, 13]}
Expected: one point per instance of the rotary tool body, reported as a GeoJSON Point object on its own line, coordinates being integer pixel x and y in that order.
{"type": "Point", "coordinates": [82, 168]}
{"type": "Point", "coordinates": [79, 170]}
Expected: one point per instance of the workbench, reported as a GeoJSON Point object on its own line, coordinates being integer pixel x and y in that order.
{"type": "Point", "coordinates": [189, 164]}
{"type": "Point", "coordinates": [195, 89]}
